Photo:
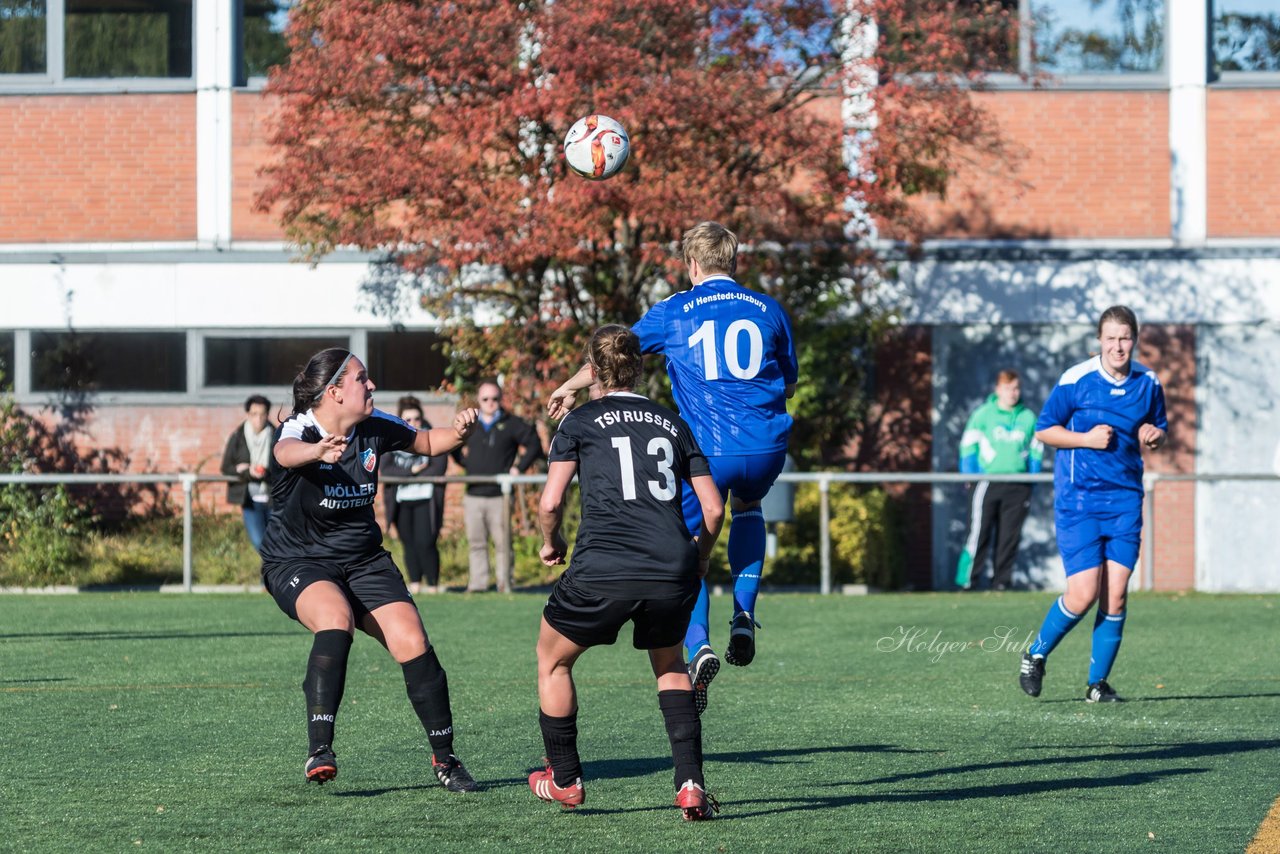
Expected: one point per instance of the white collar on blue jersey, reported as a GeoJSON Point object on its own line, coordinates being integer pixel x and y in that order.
{"type": "Point", "coordinates": [625, 394]}
{"type": "Point", "coordinates": [714, 277]}
{"type": "Point", "coordinates": [1106, 375]}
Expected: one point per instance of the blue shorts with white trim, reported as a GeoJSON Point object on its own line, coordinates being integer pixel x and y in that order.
{"type": "Point", "coordinates": [1085, 541]}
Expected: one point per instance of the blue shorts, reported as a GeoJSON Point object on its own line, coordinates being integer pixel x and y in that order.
{"type": "Point", "coordinates": [747, 478]}
{"type": "Point", "coordinates": [1086, 541]}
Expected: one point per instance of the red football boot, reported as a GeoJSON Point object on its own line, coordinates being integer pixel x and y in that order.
{"type": "Point", "coordinates": [543, 784]}
{"type": "Point", "coordinates": [694, 802]}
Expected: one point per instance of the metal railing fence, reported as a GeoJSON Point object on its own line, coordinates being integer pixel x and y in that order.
{"type": "Point", "coordinates": [188, 480]}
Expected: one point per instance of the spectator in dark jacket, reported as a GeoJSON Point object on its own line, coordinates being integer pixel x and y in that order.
{"type": "Point", "coordinates": [417, 509]}
{"type": "Point", "coordinates": [246, 456]}
{"type": "Point", "coordinates": [492, 449]}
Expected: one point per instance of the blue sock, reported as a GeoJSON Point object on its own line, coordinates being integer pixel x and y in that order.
{"type": "Point", "coordinates": [1108, 629]}
{"type": "Point", "coordinates": [746, 558]}
{"type": "Point", "coordinates": [1056, 624]}
{"type": "Point", "coordinates": [696, 635]}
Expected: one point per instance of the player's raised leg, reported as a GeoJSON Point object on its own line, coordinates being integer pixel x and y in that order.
{"type": "Point", "coordinates": [704, 664]}
{"type": "Point", "coordinates": [398, 627]}
{"type": "Point", "coordinates": [749, 479]}
{"type": "Point", "coordinates": [746, 561]}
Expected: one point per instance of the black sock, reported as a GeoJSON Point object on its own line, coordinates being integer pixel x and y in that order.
{"type": "Point", "coordinates": [323, 686]}
{"type": "Point", "coordinates": [560, 738]}
{"type": "Point", "coordinates": [684, 730]}
{"type": "Point", "coordinates": [428, 689]}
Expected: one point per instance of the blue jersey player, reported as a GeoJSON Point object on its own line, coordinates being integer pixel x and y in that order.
{"type": "Point", "coordinates": [731, 356]}
{"type": "Point", "coordinates": [1100, 416]}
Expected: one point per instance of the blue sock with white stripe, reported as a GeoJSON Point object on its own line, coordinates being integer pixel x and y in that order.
{"type": "Point", "coordinates": [746, 557]}
{"type": "Point", "coordinates": [1056, 624]}
{"type": "Point", "coordinates": [696, 635]}
{"type": "Point", "coordinates": [1108, 630]}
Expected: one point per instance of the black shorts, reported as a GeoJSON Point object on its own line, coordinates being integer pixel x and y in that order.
{"type": "Point", "coordinates": [368, 585]}
{"type": "Point", "coordinates": [591, 620]}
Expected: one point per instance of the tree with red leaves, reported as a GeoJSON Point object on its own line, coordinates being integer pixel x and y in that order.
{"type": "Point", "coordinates": [432, 132]}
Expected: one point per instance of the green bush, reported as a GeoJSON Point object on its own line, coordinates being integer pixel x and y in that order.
{"type": "Point", "coordinates": [41, 536]}
{"type": "Point", "coordinates": [866, 541]}
{"type": "Point", "coordinates": [41, 528]}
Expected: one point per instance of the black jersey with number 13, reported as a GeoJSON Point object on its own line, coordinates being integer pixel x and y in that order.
{"type": "Point", "coordinates": [634, 461]}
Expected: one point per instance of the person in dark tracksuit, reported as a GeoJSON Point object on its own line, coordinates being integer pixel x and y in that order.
{"type": "Point", "coordinates": [493, 448]}
{"type": "Point", "coordinates": [999, 438]}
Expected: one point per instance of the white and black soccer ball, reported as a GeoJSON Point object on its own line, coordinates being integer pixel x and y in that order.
{"type": "Point", "coordinates": [596, 147]}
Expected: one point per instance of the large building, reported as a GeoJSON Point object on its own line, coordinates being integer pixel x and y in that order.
{"type": "Point", "coordinates": [136, 275]}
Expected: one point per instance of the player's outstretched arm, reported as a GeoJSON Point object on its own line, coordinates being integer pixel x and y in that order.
{"type": "Point", "coordinates": [292, 453]}
{"type": "Point", "coordinates": [564, 398]}
{"type": "Point", "coordinates": [442, 440]}
{"type": "Point", "coordinates": [712, 518]}
{"type": "Point", "coordinates": [551, 511]}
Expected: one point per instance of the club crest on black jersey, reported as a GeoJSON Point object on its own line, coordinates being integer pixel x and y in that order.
{"type": "Point", "coordinates": [326, 511]}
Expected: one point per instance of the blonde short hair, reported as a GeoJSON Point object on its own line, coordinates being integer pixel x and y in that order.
{"type": "Point", "coordinates": [713, 246]}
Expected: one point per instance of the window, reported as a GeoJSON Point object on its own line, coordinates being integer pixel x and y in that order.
{"type": "Point", "coordinates": [23, 37]}
{"type": "Point", "coordinates": [1061, 38]}
{"type": "Point", "coordinates": [262, 36]}
{"type": "Point", "coordinates": [1246, 35]}
{"type": "Point", "coordinates": [6, 361]}
{"type": "Point", "coordinates": [1097, 37]}
{"type": "Point", "coordinates": [128, 38]}
{"type": "Point", "coordinates": [987, 28]}
{"type": "Point", "coordinates": [261, 362]}
{"type": "Point", "coordinates": [109, 361]}
{"type": "Point", "coordinates": [52, 41]}
{"type": "Point", "coordinates": [406, 361]}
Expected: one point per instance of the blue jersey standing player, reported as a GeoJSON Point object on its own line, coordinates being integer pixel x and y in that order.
{"type": "Point", "coordinates": [1100, 415]}
{"type": "Point", "coordinates": [731, 356]}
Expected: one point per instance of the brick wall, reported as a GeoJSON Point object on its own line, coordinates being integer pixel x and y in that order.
{"type": "Point", "coordinates": [250, 122]}
{"type": "Point", "coordinates": [1243, 162]}
{"type": "Point", "coordinates": [1091, 165]}
{"type": "Point", "coordinates": [182, 438]}
{"type": "Point", "coordinates": [898, 436]}
{"type": "Point", "coordinates": [1170, 350]}
{"type": "Point", "coordinates": [98, 168]}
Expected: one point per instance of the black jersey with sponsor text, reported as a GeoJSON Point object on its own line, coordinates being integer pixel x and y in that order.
{"type": "Point", "coordinates": [324, 511]}
{"type": "Point", "coordinates": [634, 460]}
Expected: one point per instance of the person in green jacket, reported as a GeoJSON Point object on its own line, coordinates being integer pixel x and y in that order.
{"type": "Point", "coordinates": [999, 438]}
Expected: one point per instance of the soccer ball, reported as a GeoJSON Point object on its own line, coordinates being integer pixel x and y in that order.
{"type": "Point", "coordinates": [596, 147]}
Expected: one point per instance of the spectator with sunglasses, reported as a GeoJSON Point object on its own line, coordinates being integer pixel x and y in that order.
{"type": "Point", "coordinates": [493, 449]}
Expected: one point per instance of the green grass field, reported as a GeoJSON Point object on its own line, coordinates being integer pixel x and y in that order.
{"type": "Point", "coordinates": [175, 723]}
